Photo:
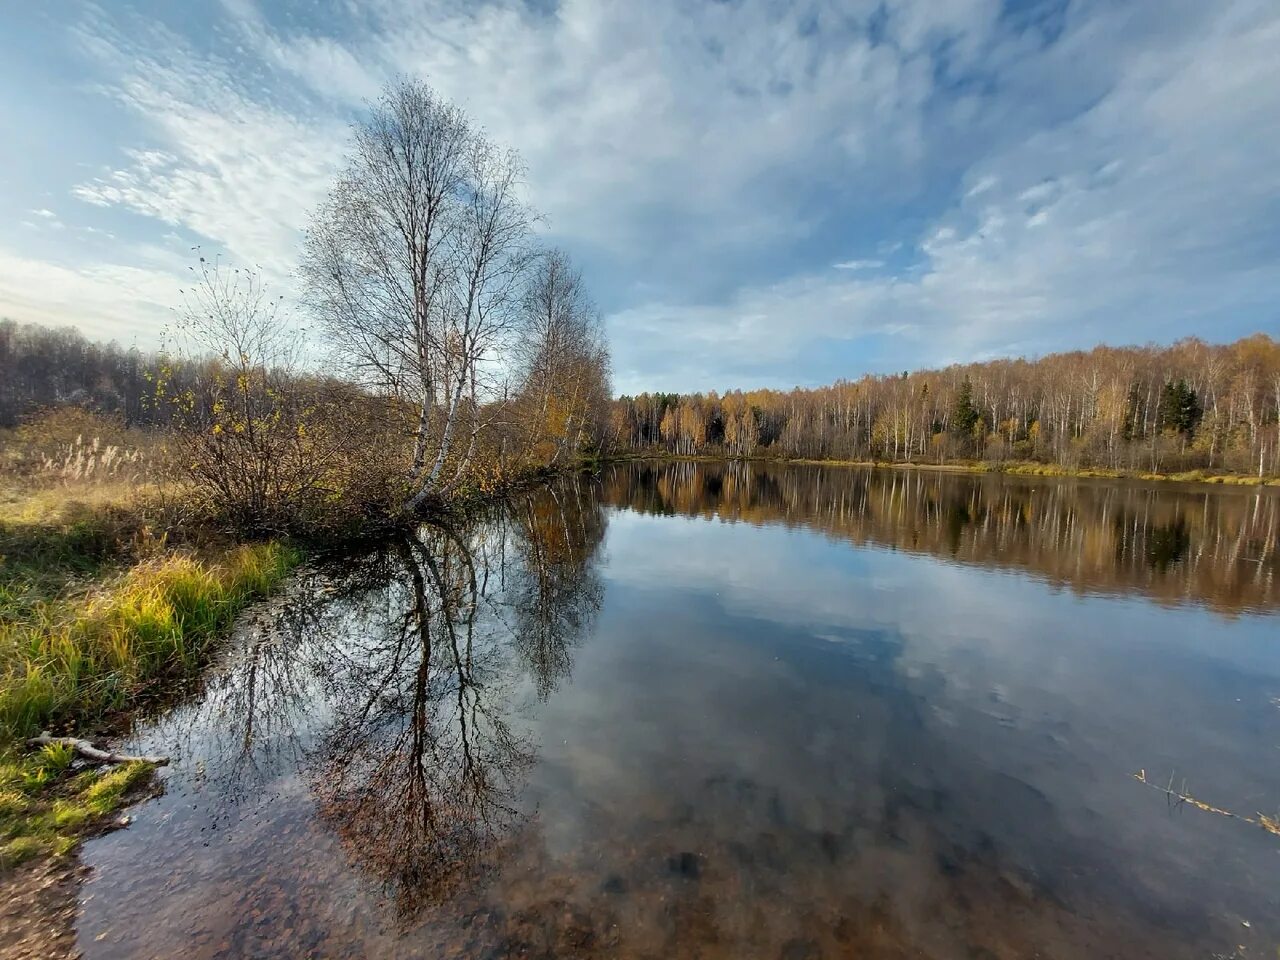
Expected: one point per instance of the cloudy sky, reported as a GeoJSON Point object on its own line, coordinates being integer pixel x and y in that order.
{"type": "Point", "coordinates": [761, 193]}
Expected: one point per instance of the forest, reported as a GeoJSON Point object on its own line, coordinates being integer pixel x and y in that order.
{"type": "Point", "coordinates": [1192, 405]}
{"type": "Point", "coordinates": [1189, 406]}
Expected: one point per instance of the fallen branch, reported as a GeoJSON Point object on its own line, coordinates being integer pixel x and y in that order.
{"type": "Point", "coordinates": [87, 750]}
{"type": "Point", "coordinates": [1269, 824]}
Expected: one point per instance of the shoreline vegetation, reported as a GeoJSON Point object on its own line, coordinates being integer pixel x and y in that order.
{"type": "Point", "coordinates": [1023, 468]}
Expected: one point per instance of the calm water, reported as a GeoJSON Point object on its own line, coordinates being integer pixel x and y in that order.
{"type": "Point", "coordinates": [691, 710]}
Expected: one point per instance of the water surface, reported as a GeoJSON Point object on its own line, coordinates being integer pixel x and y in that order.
{"type": "Point", "coordinates": [700, 710]}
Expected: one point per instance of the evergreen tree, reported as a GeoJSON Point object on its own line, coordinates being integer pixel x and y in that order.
{"type": "Point", "coordinates": [1180, 409]}
{"type": "Point", "coordinates": [964, 413]}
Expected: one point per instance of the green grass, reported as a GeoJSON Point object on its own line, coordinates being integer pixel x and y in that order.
{"type": "Point", "coordinates": [46, 808]}
{"type": "Point", "coordinates": [99, 615]}
{"type": "Point", "coordinates": [80, 658]}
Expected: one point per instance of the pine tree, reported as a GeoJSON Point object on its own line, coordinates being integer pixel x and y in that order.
{"type": "Point", "coordinates": [964, 414]}
{"type": "Point", "coordinates": [1180, 408]}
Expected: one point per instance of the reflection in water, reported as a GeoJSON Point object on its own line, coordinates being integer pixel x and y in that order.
{"type": "Point", "coordinates": [1175, 543]}
{"type": "Point", "coordinates": [388, 679]}
{"type": "Point", "coordinates": [420, 766]}
{"type": "Point", "coordinates": [582, 727]}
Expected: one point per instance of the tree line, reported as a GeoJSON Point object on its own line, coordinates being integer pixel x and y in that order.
{"type": "Point", "coordinates": [44, 367]}
{"type": "Point", "coordinates": [1187, 406]}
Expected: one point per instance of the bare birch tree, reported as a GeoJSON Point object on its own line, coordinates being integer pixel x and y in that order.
{"type": "Point", "coordinates": [562, 360]}
{"type": "Point", "coordinates": [412, 265]}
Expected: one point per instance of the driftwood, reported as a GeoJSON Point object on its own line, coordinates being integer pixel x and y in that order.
{"type": "Point", "coordinates": [90, 752]}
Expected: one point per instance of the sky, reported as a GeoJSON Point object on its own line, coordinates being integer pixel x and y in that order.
{"type": "Point", "coordinates": [759, 193]}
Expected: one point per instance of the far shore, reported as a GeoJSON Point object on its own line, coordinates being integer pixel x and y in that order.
{"type": "Point", "coordinates": [1017, 468]}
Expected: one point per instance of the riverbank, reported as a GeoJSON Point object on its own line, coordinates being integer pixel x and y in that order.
{"type": "Point", "coordinates": [113, 597]}
{"type": "Point", "coordinates": [1019, 468]}
{"type": "Point", "coordinates": [107, 603]}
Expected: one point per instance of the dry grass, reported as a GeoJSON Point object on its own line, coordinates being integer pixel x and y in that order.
{"type": "Point", "coordinates": [55, 539]}
{"type": "Point", "coordinates": [75, 446]}
{"type": "Point", "coordinates": [88, 461]}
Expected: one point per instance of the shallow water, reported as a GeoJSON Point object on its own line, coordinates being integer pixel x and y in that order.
{"type": "Point", "coordinates": [698, 710]}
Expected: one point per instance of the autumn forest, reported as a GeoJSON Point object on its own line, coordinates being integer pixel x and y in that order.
{"type": "Point", "coordinates": [1192, 405]}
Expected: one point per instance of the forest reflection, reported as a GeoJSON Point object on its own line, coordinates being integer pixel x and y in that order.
{"type": "Point", "coordinates": [392, 682]}
{"type": "Point", "coordinates": [1174, 544]}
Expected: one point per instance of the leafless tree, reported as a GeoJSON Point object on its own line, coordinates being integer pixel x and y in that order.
{"type": "Point", "coordinates": [242, 424]}
{"type": "Point", "coordinates": [413, 266]}
{"type": "Point", "coordinates": [563, 362]}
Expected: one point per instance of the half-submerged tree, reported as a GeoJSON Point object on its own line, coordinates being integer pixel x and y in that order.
{"type": "Point", "coordinates": [414, 266]}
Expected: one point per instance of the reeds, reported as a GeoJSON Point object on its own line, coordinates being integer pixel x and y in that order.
{"type": "Point", "coordinates": [89, 461]}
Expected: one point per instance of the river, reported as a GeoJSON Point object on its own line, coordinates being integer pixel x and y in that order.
{"type": "Point", "coordinates": [729, 710]}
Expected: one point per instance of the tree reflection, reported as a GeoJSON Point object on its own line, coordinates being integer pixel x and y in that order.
{"type": "Point", "coordinates": [1174, 543]}
{"type": "Point", "coordinates": [393, 682]}
{"type": "Point", "coordinates": [246, 725]}
{"type": "Point", "coordinates": [419, 771]}
{"type": "Point", "coordinates": [555, 594]}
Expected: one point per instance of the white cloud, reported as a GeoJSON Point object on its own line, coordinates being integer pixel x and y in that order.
{"type": "Point", "coordinates": [116, 301]}
{"type": "Point", "coordinates": [1137, 219]}
{"type": "Point", "coordinates": [225, 163]}
{"type": "Point", "coordinates": [708, 159]}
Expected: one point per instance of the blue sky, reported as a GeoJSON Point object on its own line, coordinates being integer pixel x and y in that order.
{"type": "Point", "coordinates": [761, 193]}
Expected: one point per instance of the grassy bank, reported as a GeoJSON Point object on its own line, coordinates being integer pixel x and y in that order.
{"type": "Point", "coordinates": [104, 605]}
{"type": "Point", "coordinates": [98, 651]}
{"type": "Point", "coordinates": [1025, 468]}
{"type": "Point", "coordinates": [45, 808]}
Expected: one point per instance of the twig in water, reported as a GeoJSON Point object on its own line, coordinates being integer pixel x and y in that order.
{"type": "Point", "coordinates": [1269, 824]}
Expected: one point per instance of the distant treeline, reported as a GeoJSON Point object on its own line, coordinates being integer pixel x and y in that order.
{"type": "Point", "coordinates": [1190, 405]}
{"type": "Point", "coordinates": [42, 367]}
